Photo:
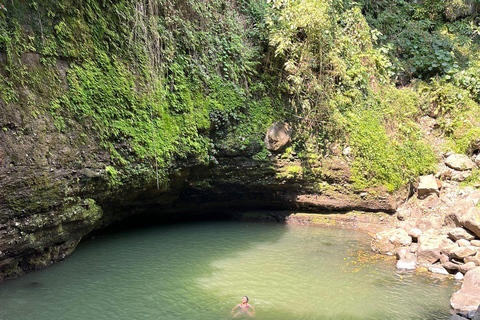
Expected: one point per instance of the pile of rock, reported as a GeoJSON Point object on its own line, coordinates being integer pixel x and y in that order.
{"type": "Point", "coordinates": [439, 229]}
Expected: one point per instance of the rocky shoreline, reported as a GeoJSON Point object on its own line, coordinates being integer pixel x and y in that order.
{"type": "Point", "coordinates": [438, 229]}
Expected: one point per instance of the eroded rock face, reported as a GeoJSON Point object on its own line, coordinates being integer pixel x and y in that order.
{"type": "Point", "coordinates": [468, 297]}
{"type": "Point", "coordinates": [278, 136]}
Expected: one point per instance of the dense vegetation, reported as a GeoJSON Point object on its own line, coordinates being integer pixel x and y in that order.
{"type": "Point", "coordinates": [185, 81]}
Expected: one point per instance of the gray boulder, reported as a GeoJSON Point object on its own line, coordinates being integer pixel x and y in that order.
{"type": "Point", "coordinates": [476, 315]}
{"type": "Point", "coordinates": [459, 162]}
{"type": "Point", "coordinates": [278, 136]}
{"type": "Point", "coordinates": [438, 270]}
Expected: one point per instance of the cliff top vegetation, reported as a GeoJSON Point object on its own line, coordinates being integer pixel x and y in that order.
{"type": "Point", "coordinates": [164, 83]}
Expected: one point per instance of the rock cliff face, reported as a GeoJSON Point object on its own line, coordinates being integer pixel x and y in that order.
{"type": "Point", "coordinates": [55, 187]}
{"type": "Point", "coordinates": [47, 208]}
{"type": "Point", "coordinates": [125, 108]}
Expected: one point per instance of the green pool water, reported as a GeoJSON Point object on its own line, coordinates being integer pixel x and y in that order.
{"type": "Point", "coordinates": [201, 271]}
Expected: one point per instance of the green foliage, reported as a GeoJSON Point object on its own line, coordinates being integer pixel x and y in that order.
{"type": "Point", "coordinates": [157, 82]}
{"type": "Point", "coordinates": [473, 179]}
{"type": "Point", "coordinates": [457, 113]}
{"type": "Point", "coordinates": [426, 39]}
{"type": "Point", "coordinates": [381, 160]}
{"type": "Point", "coordinates": [169, 82]}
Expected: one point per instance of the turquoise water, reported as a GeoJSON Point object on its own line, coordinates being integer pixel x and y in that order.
{"type": "Point", "coordinates": [202, 270]}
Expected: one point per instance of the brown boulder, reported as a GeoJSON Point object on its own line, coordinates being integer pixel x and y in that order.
{"type": "Point", "coordinates": [473, 259]}
{"type": "Point", "coordinates": [463, 252]}
{"type": "Point", "coordinates": [460, 233]}
{"type": "Point", "coordinates": [387, 242]}
{"type": "Point", "coordinates": [278, 136]}
{"type": "Point", "coordinates": [448, 248]}
{"type": "Point", "coordinates": [471, 220]}
{"type": "Point", "coordinates": [415, 233]}
{"type": "Point", "coordinates": [402, 213]}
{"type": "Point", "coordinates": [433, 222]}
{"type": "Point", "coordinates": [463, 243]}
{"type": "Point", "coordinates": [453, 217]}
{"type": "Point", "coordinates": [427, 185]}
{"type": "Point", "coordinates": [428, 248]}
{"type": "Point", "coordinates": [468, 297]}
{"type": "Point", "coordinates": [459, 162]}
{"type": "Point", "coordinates": [450, 266]}
{"type": "Point", "coordinates": [464, 268]}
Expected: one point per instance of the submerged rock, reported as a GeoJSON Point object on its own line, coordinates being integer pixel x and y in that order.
{"type": "Point", "coordinates": [406, 260]}
{"type": "Point", "coordinates": [438, 270]}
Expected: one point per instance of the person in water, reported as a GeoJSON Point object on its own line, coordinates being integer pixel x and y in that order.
{"type": "Point", "coordinates": [244, 308]}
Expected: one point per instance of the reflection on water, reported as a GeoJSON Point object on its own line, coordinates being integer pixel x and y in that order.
{"type": "Point", "coordinates": [202, 270]}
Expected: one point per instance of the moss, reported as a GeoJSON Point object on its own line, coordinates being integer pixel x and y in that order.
{"type": "Point", "coordinates": [122, 94]}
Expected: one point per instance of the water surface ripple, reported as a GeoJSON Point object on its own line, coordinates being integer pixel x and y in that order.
{"type": "Point", "coordinates": [201, 271]}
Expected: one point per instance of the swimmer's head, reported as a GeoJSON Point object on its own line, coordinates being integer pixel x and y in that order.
{"type": "Point", "coordinates": [245, 299]}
